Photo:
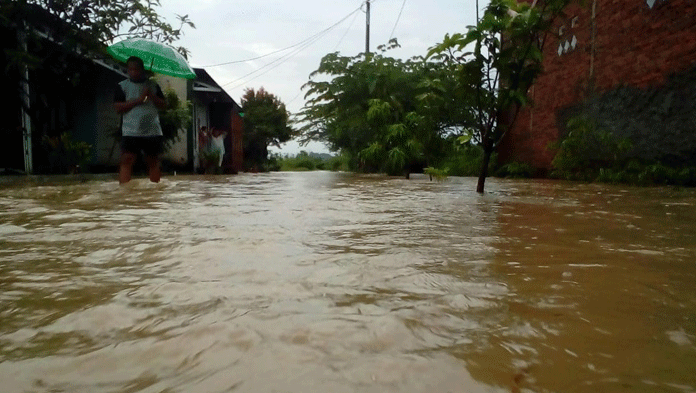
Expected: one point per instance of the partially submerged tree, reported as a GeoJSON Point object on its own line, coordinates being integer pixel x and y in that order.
{"type": "Point", "coordinates": [386, 114]}
{"type": "Point", "coordinates": [265, 123]}
{"type": "Point", "coordinates": [496, 63]}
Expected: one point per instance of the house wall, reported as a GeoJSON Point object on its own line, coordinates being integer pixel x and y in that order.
{"type": "Point", "coordinates": [236, 141]}
{"type": "Point", "coordinates": [105, 147]}
{"type": "Point", "coordinates": [11, 151]}
{"type": "Point", "coordinates": [201, 118]}
{"type": "Point", "coordinates": [629, 65]}
{"type": "Point", "coordinates": [82, 108]}
{"type": "Point", "coordinates": [178, 152]}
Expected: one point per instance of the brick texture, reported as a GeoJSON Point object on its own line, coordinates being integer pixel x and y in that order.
{"type": "Point", "coordinates": [626, 44]}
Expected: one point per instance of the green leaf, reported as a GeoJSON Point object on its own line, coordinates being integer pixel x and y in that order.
{"type": "Point", "coordinates": [464, 139]}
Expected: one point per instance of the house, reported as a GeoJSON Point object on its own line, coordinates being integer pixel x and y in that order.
{"type": "Point", "coordinates": [211, 107]}
{"type": "Point", "coordinates": [214, 108]}
{"type": "Point", "coordinates": [43, 107]}
{"type": "Point", "coordinates": [629, 66]}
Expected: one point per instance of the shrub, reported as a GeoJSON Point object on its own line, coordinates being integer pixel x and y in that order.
{"type": "Point", "coordinates": [175, 117]}
{"type": "Point", "coordinates": [67, 155]}
{"type": "Point", "coordinates": [636, 173]}
{"type": "Point", "coordinates": [466, 160]}
{"type": "Point", "coordinates": [437, 174]}
{"type": "Point", "coordinates": [338, 163]}
{"type": "Point", "coordinates": [516, 170]}
{"type": "Point", "coordinates": [307, 162]}
{"type": "Point", "coordinates": [586, 150]}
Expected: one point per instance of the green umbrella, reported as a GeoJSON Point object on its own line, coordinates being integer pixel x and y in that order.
{"type": "Point", "coordinates": [157, 57]}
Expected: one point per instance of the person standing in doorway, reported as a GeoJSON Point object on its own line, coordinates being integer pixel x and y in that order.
{"type": "Point", "coordinates": [203, 144]}
{"type": "Point", "coordinates": [218, 144]}
{"type": "Point", "coordinates": [137, 100]}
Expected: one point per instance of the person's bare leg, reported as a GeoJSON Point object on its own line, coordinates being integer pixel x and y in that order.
{"type": "Point", "coordinates": [153, 168]}
{"type": "Point", "coordinates": [126, 167]}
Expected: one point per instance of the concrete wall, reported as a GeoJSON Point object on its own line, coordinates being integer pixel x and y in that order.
{"type": "Point", "coordinates": [614, 61]}
{"type": "Point", "coordinates": [178, 151]}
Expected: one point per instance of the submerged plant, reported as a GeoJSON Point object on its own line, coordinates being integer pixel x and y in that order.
{"type": "Point", "coordinates": [436, 173]}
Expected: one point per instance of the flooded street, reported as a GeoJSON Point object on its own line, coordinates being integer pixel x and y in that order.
{"type": "Point", "coordinates": [331, 282]}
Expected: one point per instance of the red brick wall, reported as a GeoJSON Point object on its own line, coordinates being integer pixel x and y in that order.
{"type": "Point", "coordinates": [634, 45]}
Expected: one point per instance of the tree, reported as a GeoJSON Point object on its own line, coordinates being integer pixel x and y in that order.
{"type": "Point", "coordinates": [176, 116]}
{"type": "Point", "coordinates": [91, 24]}
{"type": "Point", "coordinates": [378, 110]}
{"type": "Point", "coordinates": [504, 62]}
{"type": "Point", "coordinates": [265, 123]}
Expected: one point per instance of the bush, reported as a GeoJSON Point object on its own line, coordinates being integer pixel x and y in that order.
{"type": "Point", "coordinates": [466, 160]}
{"type": "Point", "coordinates": [274, 163]}
{"type": "Point", "coordinates": [435, 173]}
{"type": "Point", "coordinates": [338, 163]}
{"type": "Point", "coordinates": [586, 150]}
{"type": "Point", "coordinates": [636, 173]}
{"type": "Point", "coordinates": [67, 155]}
{"type": "Point", "coordinates": [307, 162]}
{"type": "Point", "coordinates": [175, 117]}
{"type": "Point", "coordinates": [516, 170]}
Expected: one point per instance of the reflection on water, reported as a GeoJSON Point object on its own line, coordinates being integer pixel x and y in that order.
{"type": "Point", "coordinates": [297, 282]}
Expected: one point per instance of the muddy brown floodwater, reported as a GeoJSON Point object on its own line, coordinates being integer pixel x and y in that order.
{"type": "Point", "coordinates": [334, 282]}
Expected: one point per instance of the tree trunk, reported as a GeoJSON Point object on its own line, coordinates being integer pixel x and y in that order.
{"type": "Point", "coordinates": [487, 151]}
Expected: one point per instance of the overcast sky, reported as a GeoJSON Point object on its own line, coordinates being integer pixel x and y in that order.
{"type": "Point", "coordinates": [233, 31]}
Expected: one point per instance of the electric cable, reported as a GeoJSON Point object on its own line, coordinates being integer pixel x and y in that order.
{"type": "Point", "coordinates": [397, 19]}
{"type": "Point", "coordinates": [287, 48]}
{"type": "Point", "coordinates": [347, 31]}
{"type": "Point", "coordinates": [303, 45]}
{"type": "Point", "coordinates": [279, 60]}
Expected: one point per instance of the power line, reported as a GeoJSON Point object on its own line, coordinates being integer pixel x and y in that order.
{"type": "Point", "coordinates": [347, 30]}
{"type": "Point", "coordinates": [279, 61]}
{"type": "Point", "coordinates": [397, 19]}
{"type": "Point", "coordinates": [303, 45]}
{"type": "Point", "coordinates": [287, 48]}
{"type": "Point", "coordinates": [249, 59]}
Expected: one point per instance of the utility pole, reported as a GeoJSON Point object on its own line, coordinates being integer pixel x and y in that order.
{"type": "Point", "coordinates": [367, 28]}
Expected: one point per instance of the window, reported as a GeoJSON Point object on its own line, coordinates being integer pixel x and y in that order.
{"type": "Point", "coordinates": [653, 3]}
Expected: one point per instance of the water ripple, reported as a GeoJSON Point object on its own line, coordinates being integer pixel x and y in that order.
{"type": "Point", "coordinates": [339, 282]}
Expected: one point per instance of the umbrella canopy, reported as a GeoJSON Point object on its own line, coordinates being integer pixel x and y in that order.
{"type": "Point", "coordinates": [157, 57]}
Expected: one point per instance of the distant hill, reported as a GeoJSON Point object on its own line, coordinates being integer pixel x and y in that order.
{"type": "Point", "coordinates": [322, 156]}
{"type": "Point", "coordinates": [303, 153]}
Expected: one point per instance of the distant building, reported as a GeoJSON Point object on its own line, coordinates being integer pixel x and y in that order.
{"type": "Point", "coordinates": [628, 65]}
{"type": "Point", "coordinates": [214, 108]}
{"type": "Point", "coordinates": [211, 108]}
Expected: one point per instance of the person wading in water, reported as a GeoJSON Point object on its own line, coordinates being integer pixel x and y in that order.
{"type": "Point", "coordinates": [137, 100]}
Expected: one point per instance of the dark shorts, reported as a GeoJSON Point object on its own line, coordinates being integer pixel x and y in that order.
{"type": "Point", "coordinates": [149, 145]}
